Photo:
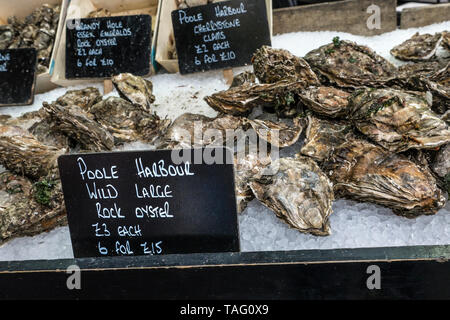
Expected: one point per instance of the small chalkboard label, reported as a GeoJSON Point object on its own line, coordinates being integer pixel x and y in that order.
{"type": "Point", "coordinates": [150, 202]}
{"type": "Point", "coordinates": [104, 47]}
{"type": "Point", "coordinates": [17, 76]}
{"type": "Point", "coordinates": [220, 35]}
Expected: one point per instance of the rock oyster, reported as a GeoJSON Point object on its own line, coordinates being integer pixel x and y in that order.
{"type": "Point", "coordinates": [80, 126]}
{"type": "Point", "coordinates": [135, 89]}
{"type": "Point", "coordinates": [84, 98]}
{"type": "Point", "coordinates": [281, 96]}
{"type": "Point", "coordinates": [128, 122]}
{"type": "Point", "coordinates": [441, 166]}
{"type": "Point", "coordinates": [298, 192]}
{"type": "Point", "coordinates": [446, 40]}
{"type": "Point", "coordinates": [323, 136]}
{"type": "Point", "coordinates": [280, 134]}
{"type": "Point", "coordinates": [21, 153]}
{"type": "Point", "coordinates": [398, 120]}
{"type": "Point", "coordinates": [348, 64]}
{"type": "Point", "coordinates": [190, 130]}
{"type": "Point", "coordinates": [366, 172]}
{"type": "Point", "coordinates": [326, 101]}
{"type": "Point", "coordinates": [419, 47]}
{"type": "Point", "coordinates": [37, 30]}
{"type": "Point", "coordinates": [28, 208]}
{"type": "Point", "coordinates": [273, 65]}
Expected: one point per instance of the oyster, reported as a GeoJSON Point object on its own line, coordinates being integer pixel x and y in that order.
{"type": "Point", "coordinates": [37, 30]}
{"type": "Point", "coordinates": [323, 136]}
{"type": "Point", "coordinates": [80, 126]}
{"type": "Point", "coordinates": [419, 47]}
{"type": "Point", "coordinates": [28, 208]}
{"type": "Point", "coordinates": [243, 78]}
{"type": "Point", "coordinates": [446, 40]}
{"type": "Point", "coordinates": [419, 69]}
{"type": "Point", "coordinates": [280, 133]}
{"type": "Point", "coordinates": [298, 192]}
{"type": "Point", "coordinates": [326, 101]}
{"type": "Point", "coordinates": [22, 153]}
{"type": "Point", "coordinates": [366, 172]}
{"type": "Point", "coordinates": [246, 166]}
{"type": "Point", "coordinates": [273, 65]}
{"type": "Point", "coordinates": [281, 96]}
{"type": "Point", "coordinates": [195, 130]}
{"type": "Point", "coordinates": [441, 166]}
{"type": "Point", "coordinates": [348, 64]}
{"type": "Point", "coordinates": [135, 89]}
{"type": "Point", "coordinates": [128, 122]}
{"type": "Point", "coordinates": [84, 98]}
{"type": "Point", "coordinates": [398, 120]}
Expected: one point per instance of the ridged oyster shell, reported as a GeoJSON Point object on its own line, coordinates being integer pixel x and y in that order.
{"type": "Point", "coordinates": [398, 120]}
{"type": "Point", "coordinates": [363, 171]}
{"type": "Point", "coordinates": [135, 89]}
{"type": "Point", "coordinates": [273, 65]}
{"type": "Point", "coordinates": [348, 64]}
{"type": "Point", "coordinates": [323, 136]}
{"type": "Point", "coordinates": [298, 192]}
{"type": "Point", "coordinates": [418, 48]}
{"type": "Point", "coordinates": [326, 101]}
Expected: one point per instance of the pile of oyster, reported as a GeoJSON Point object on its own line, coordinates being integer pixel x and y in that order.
{"type": "Point", "coordinates": [372, 132]}
{"type": "Point", "coordinates": [31, 199]}
{"type": "Point", "coordinates": [38, 30]}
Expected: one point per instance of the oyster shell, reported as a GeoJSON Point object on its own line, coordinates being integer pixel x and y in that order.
{"type": "Point", "coordinates": [442, 162]}
{"type": "Point", "coordinates": [80, 126]}
{"type": "Point", "coordinates": [446, 40]}
{"type": "Point", "coordinates": [279, 134]}
{"type": "Point", "coordinates": [244, 78]}
{"type": "Point", "coordinates": [366, 172]}
{"type": "Point", "coordinates": [28, 208]}
{"type": "Point", "coordinates": [348, 64]}
{"type": "Point", "coordinates": [273, 65]}
{"type": "Point", "coordinates": [326, 101]}
{"type": "Point", "coordinates": [398, 120]}
{"type": "Point", "coordinates": [195, 130]}
{"type": "Point", "coordinates": [135, 89]}
{"type": "Point", "coordinates": [128, 122]}
{"type": "Point", "coordinates": [84, 98]}
{"type": "Point", "coordinates": [323, 136]}
{"type": "Point", "coordinates": [419, 47]}
{"type": "Point", "coordinates": [298, 192]}
{"type": "Point", "coordinates": [37, 30]}
{"type": "Point", "coordinates": [22, 153]}
{"type": "Point", "coordinates": [246, 166]}
{"type": "Point", "coordinates": [419, 69]}
{"type": "Point", "coordinates": [281, 96]}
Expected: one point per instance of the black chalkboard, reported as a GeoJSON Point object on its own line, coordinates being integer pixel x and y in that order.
{"type": "Point", "coordinates": [17, 76]}
{"type": "Point", "coordinates": [137, 208]}
{"type": "Point", "coordinates": [220, 35]}
{"type": "Point", "coordinates": [104, 47]}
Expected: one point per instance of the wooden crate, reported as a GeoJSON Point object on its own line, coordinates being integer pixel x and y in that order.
{"type": "Point", "coordinates": [346, 16]}
{"type": "Point", "coordinates": [22, 8]}
{"type": "Point", "coordinates": [423, 16]}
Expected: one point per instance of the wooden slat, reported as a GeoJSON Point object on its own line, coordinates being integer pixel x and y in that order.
{"type": "Point", "coordinates": [346, 16]}
{"type": "Point", "coordinates": [423, 16]}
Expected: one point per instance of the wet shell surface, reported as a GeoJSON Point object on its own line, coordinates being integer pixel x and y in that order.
{"type": "Point", "coordinates": [363, 171]}
{"type": "Point", "coordinates": [418, 48]}
{"type": "Point", "coordinates": [298, 192]}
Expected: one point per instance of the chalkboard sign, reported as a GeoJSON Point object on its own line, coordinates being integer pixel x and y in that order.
{"type": "Point", "coordinates": [104, 47]}
{"type": "Point", "coordinates": [17, 76]}
{"type": "Point", "coordinates": [220, 35]}
{"type": "Point", "coordinates": [146, 203]}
